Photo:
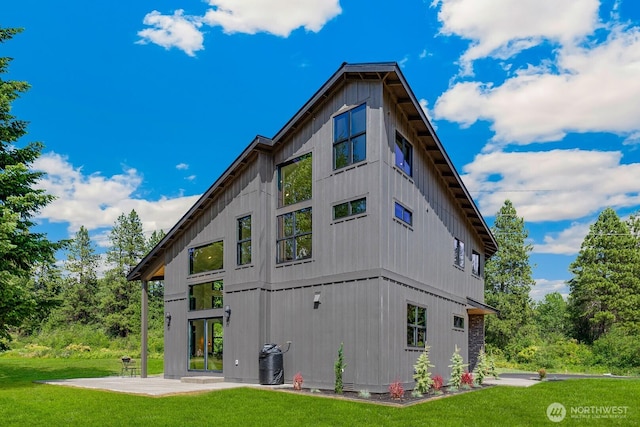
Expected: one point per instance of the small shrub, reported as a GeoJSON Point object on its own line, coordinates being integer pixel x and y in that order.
{"type": "Point", "coordinates": [422, 376]}
{"type": "Point", "coordinates": [315, 390]}
{"type": "Point", "coordinates": [542, 373]}
{"type": "Point", "coordinates": [457, 369]}
{"type": "Point", "coordinates": [466, 379]}
{"type": "Point", "coordinates": [297, 381]}
{"type": "Point", "coordinates": [437, 383]}
{"type": "Point", "coordinates": [364, 394]}
{"type": "Point", "coordinates": [482, 368]}
{"type": "Point", "coordinates": [396, 391]}
{"type": "Point", "coordinates": [416, 393]}
{"type": "Point", "coordinates": [339, 369]}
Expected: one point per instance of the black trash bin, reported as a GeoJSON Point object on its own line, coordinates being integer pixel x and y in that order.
{"type": "Point", "coordinates": [270, 361]}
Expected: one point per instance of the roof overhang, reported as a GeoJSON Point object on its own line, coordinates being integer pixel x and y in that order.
{"type": "Point", "coordinates": [477, 307]}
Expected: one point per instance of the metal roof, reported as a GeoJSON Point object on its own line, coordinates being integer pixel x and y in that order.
{"type": "Point", "coordinates": [393, 79]}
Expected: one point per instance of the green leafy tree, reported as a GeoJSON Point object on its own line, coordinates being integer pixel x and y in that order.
{"type": "Point", "coordinates": [120, 300]}
{"type": "Point", "coordinates": [21, 249]}
{"type": "Point", "coordinates": [156, 287]}
{"type": "Point", "coordinates": [46, 287]}
{"type": "Point", "coordinates": [605, 287]}
{"type": "Point", "coordinates": [422, 376]}
{"type": "Point", "coordinates": [81, 293]}
{"type": "Point", "coordinates": [551, 317]}
{"type": "Point", "coordinates": [508, 280]}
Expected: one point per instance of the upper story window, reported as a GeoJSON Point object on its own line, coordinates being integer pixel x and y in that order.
{"type": "Point", "coordinates": [403, 214]}
{"type": "Point", "coordinates": [294, 236]}
{"type": "Point", "coordinates": [349, 137]}
{"type": "Point", "coordinates": [353, 207]}
{"type": "Point", "coordinates": [404, 154]}
{"type": "Point", "coordinates": [206, 295]}
{"type": "Point", "coordinates": [416, 326]}
{"type": "Point", "coordinates": [458, 252]}
{"type": "Point", "coordinates": [458, 322]}
{"type": "Point", "coordinates": [475, 263]}
{"type": "Point", "coordinates": [244, 240]}
{"type": "Point", "coordinates": [206, 258]}
{"type": "Point", "coordinates": [295, 180]}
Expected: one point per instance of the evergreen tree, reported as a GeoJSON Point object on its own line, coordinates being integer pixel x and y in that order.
{"type": "Point", "coordinates": [156, 287]}
{"type": "Point", "coordinates": [508, 281]}
{"type": "Point", "coordinates": [81, 293]}
{"type": "Point", "coordinates": [551, 316]}
{"type": "Point", "coordinates": [422, 376]}
{"type": "Point", "coordinates": [605, 288]}
{"type": "Point", "coordinates": [20, 248]}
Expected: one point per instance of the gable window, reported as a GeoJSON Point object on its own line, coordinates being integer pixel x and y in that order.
{"type": "Point", "coordinates": [416, 326]}
{"type": "Point", "coordinates": [458, 253]}
{"type": "Point", "coordinates": [404, 154]}
{"type": "Point", "coordinates": [475, 263]}
{"type": "Point", "coordinates": [294, 235]}
{"type": "Point", "coordinates": [353, 207]}
{"type": "Point", "coordinates": [403, 214]}
{"type": "Point", "coordinates": [349, 137]}
{"type": "Point", "coordinates": [295, 180]}
{"type": "Point", "coordinates": [458, 322]}
{"type": "Point", "coordinates": [206, 296]}
{"type": "Point", "coordinates": [206, 258]}
{"type": "Point", "coordinates": [244, 240]}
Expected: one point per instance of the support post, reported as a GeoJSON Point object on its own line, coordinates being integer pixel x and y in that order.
{"type": "Point", "coordinates": [144, 329]}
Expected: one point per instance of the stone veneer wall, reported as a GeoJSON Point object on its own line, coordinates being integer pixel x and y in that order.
{"type": "Point", "coordinates": [476, 338]}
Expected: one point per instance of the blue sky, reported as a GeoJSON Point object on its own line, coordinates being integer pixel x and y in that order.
{"type": "Point", "coordinates": [144, 106]}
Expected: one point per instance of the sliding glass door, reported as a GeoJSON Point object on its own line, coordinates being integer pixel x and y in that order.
{"type": "Point", "coordinates": [205, 344]}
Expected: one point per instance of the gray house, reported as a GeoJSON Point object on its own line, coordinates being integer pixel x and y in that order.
{"type": "Point", "coordinates": [350, 225]}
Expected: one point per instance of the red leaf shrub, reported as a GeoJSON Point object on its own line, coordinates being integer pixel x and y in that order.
{"type": "Point", "coordinates": [438, 382]}
{"type": "Point", "coordinates": [396, 391]}
{"type": "Point", "coordinates": [467, 378]}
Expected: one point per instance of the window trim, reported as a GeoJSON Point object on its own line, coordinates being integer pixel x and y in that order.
{"type": "Point", "coordinates": [456, 327]}
{"type": "Point", "coordinates": [241, 241]}
{"type": "Point", "coordinates": [349, 138]}
{"type": "Point", "coordinates": [404, 210]}
{"type": "Point", "coordinates": [458, 248]}
{"type": "Point", "coordinates": [349, 208]}
{"type": "Point", "coordinates": [409, 154]}
{"type": "Point", "coordinates": [415, 326]}
{"type": "Point", "coordinates": [293, 237]}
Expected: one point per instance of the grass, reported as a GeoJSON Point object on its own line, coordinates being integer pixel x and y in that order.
{"type": "Point", "coordinates": [23, 402]}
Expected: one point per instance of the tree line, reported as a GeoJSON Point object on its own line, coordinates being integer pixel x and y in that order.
{"type": "Point", "coordinates": [599, 322]}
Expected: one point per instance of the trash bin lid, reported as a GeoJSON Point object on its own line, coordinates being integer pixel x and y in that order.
{"type": "Point", "coordinates": [270, 349]}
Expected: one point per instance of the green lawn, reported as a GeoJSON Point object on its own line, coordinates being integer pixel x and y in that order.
{"type": "Point", "coordinates": [23, 402]}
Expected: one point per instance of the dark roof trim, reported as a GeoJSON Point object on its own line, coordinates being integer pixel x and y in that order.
{"type": "Point", "coordinates": [481, 308]}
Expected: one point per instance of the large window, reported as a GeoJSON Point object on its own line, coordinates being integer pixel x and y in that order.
{"type": "Point", "coordinates": [294, 235]}
{"type": "Point", "coordinates": [244, 240]}
{"type": "Point", "coordinates": [404, 154]}
{"type": "Point", "coordinates": [349, 137]}
{"type": "Point", "coordinates": [403, 214]}
{"type": "Point", "coordinates": [206, 296]}
{"type": "Point", "coordinates": [353, 207]}
{"type": "Point", "coordinates": [458, 252]}
{"type": "Point", "coordinates": [206, 258]}
{"type": "Point", "coordinates": [206, 338]}
{"type": "Point", "coordinates": [475, 263]}
{"type": "Point", "coordinates": [416, 326]}
{"type": "Point", "coordinates": [294, 180]}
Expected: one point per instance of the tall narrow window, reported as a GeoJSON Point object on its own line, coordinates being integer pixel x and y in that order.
{"type": "Point", "coordinates": [206, 258]}
{"type": "Point", "coordinates": [416, 326]}
{"type": "Point", "coordinates": [349, 137]}
{"type": "Point", "coordinates": [458, 252]}
{"type": "Point", "coordinates": [475, 263]}
{"type": "Point", "coordinates": [244, 240]}
{"type": "Point", "coordinates": [294, 235]}
{"type": "Point", "coordinates": [404, 154]}
{"type": "Point", "coordinates": [403, 214]}
{"type": "Point", "coordinates": [353, 207]}
{"type": "Point", "coordinates": [295, 180]}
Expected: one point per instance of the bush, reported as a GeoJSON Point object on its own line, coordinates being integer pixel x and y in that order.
{"type": "Point", "coordinates": [437, 383]}
{"type": "Point", "coordinates": [618, 350]}
{"type": "Point", "coordinates": [396, 391]}
{"type": "Point", "coordinates": [422, 376]}
{"type": "Point", "coordinates": [466, 379]}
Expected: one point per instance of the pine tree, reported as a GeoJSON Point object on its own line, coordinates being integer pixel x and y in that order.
{"type": "Point", "coordinates": [457, 369]}
{"type": "Point", "coordinates": [422, 376]}
{"type": "Point", "coordinates": [605, 287]}
{"type": "Point", "coordinates": [338, 368]}
{"type": "Point", "coordinates": [508, 281]}
{"type": "Point", "coordinates": [482, 369]}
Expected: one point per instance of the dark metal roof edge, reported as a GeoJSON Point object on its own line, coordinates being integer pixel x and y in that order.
{"type": "Point", "coordinates": [478, 304]}
{"type": "Point", "coordinates": [258, 141]}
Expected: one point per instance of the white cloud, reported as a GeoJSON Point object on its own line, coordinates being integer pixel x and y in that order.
{"type": "Point", "coordinates": [545, 286]}
{"type": "Point", "coordinates": [502, 28]}
{"type": "Point", "coordinates": [278, 17]}
{"type": "Point", "coordinates": [182, 166]}
{"type": "Point", "coordinates": [553, 185]}
{"type": "Point", "coordinates": [96, 201]}
{"type": "Point", "coordinates": [175, 30]}
{"type": "Point", "coordinates": [565, 242]}
{"type": "Point", "coordinates": [425, 107]}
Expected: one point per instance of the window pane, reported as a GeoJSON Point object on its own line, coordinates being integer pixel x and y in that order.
{"type": "Point", "coordinates": [196, 344]}
{"type": "Point", "coordinates": [407, 217]}
{"type": "Point", "coordinates": [358, 206]}
{"type": "Point", "coordinates": [296, 180]}
{"type": "Point", "coordinates": [398, 210]}
{"type": "Point", "coordinates": [341, 127]}
{"type": "Point", "coordinates": [399, 154]}
{"type": "Point", "coordinates": [359, 148]}
{"type": "Point", "coordinates": [411, 314]}
{"type": "Point", "coordinates": [285, 225]}
{"type": "Point", "coordinates": [341, 155]}
{"type": "Point", "coordinates": [303, 246]}
{"type": "Point", "coordinates": [206, 258]}
{"type": "Point", "coordinates": [285, 250]}
{"type": "Point", "coordinates": [244, 228]}
{"type": "Point", "coordinates": [303, 221]}
{"type": "Point", "coordinates": [421, 338]}
{"type": "Point", "coordinates": [244, 253]}
{"type": "Point", "coordinates": [422, 316]}
{"type": "Point", "coordinates": [358, 119]}
{"type": "Point", "coordinates": [214, 345]}
{"type": "Point", "coordinates": [341, 210]}
{"type": "Point", "coordinates": [411, 342]}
